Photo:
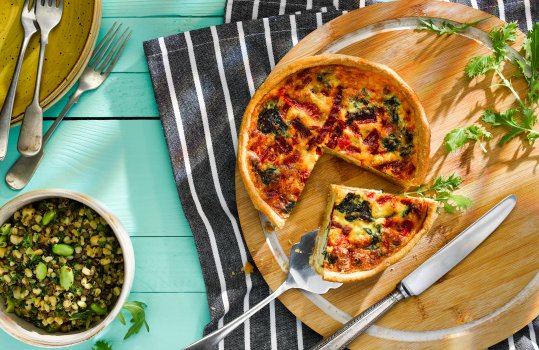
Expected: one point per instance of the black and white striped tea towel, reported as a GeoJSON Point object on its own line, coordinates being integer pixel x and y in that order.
{"type": "Point", "coordinates": [202, 81]}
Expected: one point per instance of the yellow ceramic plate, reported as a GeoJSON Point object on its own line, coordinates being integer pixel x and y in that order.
{"type": "Point", "coordinates": [68, 52]}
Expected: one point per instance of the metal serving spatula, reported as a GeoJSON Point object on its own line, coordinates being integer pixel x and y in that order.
{"type": "Point", "coordinates": [425, 275]}
{"type": "Point", "coordinates": [300, 275]}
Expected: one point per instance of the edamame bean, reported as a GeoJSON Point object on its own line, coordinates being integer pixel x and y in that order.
{"type": "Point", "coordinates": [66, 277]}
{"type": "Point", "coordinates": [62, 249]}
{"type": "Point", "coordinates": [10, 305]}
{"type": "Point", "coordinates": [48, 217]}
{"type": "Point", "coordinates": [5, 229]}
{"type": "Point", "coordinates": [41, 271]}
{"type": "Point", "coordinates": [98, 309]}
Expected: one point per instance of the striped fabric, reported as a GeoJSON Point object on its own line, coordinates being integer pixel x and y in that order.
{"type": "Point", "coordinates": [203, 80]}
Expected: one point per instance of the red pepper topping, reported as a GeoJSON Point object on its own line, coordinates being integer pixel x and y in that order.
{"type": "Point", "coordinates": [282, 145]}
{"type": "Point", "coordinates": [384, 198]}
{"type": "Point", "coordinates": [291, 159]}
{"type": "Point", "coordinates": [406, 227]}
{"type": "Point", "coordinates": [302, 129]}
{"type": "Point", "coordinates": [308, 107]}
{"type": "Point", "coordinates": [372, 140]}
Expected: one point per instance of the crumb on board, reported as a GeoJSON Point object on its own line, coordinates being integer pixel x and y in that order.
{"type": "Point", "coordinates": [290, 243]}
{"type": "Point", "coordinates": [269, 227]}
{"type": "Point", "coordinates": [247, 268]}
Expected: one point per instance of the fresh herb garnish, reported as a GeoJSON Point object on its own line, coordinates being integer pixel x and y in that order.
{"type": "Point", "coordinates": [516, 126]}
{"type": "Point", "coordinates": [138, 317]}
{"type": "Point", "coordinates": [442, 190]}
{"type": "Point", "coordinates": [458, 137]}
{"type": "Point", "coordinates": [446, 27]}
{"type": "Point", "coordinates": [520, 119]}
{"type": "Point", "coordinates": [102, 345]}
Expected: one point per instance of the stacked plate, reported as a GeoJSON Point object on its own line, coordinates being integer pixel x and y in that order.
{"type": "Point", "coordinates": [68, 51]}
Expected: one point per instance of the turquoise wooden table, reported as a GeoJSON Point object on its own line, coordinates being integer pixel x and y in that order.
{"type": "Point", "coordinates": [112, 148]}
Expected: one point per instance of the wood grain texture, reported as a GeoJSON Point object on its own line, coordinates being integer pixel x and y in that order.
{"type": "Point", "coordinates": [167, 265]}
{"type": "Point", "coordinates": [180, 314]}
{"type": "Point", "coordinates": [162, 8]}
{"type": "Point", "coordinates": [121, 95]}
{"type": "Point", "coordinates": [491, 276]}
{"type": "Point", "coordinates": [123, 164]}
{"type": "Point", "coordinates": [68, 51]}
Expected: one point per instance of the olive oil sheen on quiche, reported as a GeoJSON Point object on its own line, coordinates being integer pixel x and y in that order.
{"type": "Point", "coordinates": [354, 109]}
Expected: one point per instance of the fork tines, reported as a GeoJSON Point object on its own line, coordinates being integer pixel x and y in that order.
{"type": "Point", "coordinates": [104, 64]}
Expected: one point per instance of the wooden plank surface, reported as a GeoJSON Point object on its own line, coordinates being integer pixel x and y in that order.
{"type": "Point", "coordinates": [167, 265]}
{"type": "Point", "coordinates": [123, 164]}
{"type": "Point", "coordinates": [121, 95]}
{"type": "Point", "coordinates": [162, 8]}
{"type": "Point", "coordinates": [472, 295]}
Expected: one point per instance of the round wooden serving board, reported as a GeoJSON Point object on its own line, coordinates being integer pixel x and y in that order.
{"type": "Point", "coordinates": [495, 291]}
{"type": "Point", "coordinates": [68, 52]}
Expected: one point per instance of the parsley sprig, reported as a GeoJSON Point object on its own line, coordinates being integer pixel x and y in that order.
{"type": "Point", "coordinates": [138, 317]}
{"type": "Point", "coordinates": [520, 119]}
{"type": "Point", "coordinates": [458, 137]}
{"type": "Point", "coordinates": [102, 345]}
{"type": "Point", "coordinates": [442, 190]}
{"type": "Point", "coordinates": [446, 27]}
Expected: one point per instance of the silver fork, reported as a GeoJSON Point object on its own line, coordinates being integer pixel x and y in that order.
{"type": "Point", "coordinates": [29, 23]}
{"type": "Point", "coordinates": [300, 276]}
{"type": "Point", "coordinates": [48, 15]}
{"type": "Point", "coordinates": [94, 75]}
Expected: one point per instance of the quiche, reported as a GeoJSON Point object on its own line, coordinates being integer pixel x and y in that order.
{"type": "Point", "coordinates": [364, 231]}
{"type": "Point", "coordinates": [354, 109]}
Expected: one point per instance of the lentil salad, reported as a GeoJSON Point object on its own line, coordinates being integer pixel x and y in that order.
{"type": "Point", "coordinates": [61, 266]}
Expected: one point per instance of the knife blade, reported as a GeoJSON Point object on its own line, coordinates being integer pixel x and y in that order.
{"type": "Point", "coordinates": [425, 275]}
{"type": "Point", "coordinates": [458, 248]}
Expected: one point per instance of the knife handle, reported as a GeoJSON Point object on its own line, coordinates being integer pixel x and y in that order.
{"type": "Point", "coordinates": [357, 325]}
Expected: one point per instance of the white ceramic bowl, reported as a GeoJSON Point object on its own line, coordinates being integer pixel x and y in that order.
{"type": "Point", "coordinates": [27, 332]}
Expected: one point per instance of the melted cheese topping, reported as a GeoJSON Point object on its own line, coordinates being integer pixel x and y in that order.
{"type": "Point", "coordinates": [368, 226]}
{"type": "Point", "coordinates": [343, 109]}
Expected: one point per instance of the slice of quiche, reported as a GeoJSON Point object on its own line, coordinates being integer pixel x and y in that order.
{"type": "Point", "coordinates": [354, 109]}
{"type": "Point", "coordinates": [364, 231]}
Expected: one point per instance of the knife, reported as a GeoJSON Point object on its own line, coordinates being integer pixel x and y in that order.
{"type": "Point", "coordinates": [425, 275]}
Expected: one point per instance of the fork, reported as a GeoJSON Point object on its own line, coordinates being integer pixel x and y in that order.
{"type": "Point", "coordinates": [48, 15]}
{"type": "Point", "coordinates": [29, 23]}
{"type": "Point", "coordinates": [97, 71]}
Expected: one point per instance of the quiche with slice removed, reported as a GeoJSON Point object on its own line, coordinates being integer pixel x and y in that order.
{"type": "Point", "coordinates": [364, 231]}
{"type": "Point", "coordinates": [355, 109]}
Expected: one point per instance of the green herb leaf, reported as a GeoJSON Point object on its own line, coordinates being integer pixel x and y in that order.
{"type": "Point", "coordinates": [102, 345]}
{"type": "Point", "coordinates": [441, 191]}
{"type": "Point", "coordinates": [138, 317]}
{"type": "Point", "coordinates": [446, 27]}
{"type": "Point", "coordinates": [458, 137]}
{"type": "Point", "coordinates": [500, 36]}
{"type": "Point", "coordinates": [508, 119]}
{"type": "Point", "coordinates": [480, 65]}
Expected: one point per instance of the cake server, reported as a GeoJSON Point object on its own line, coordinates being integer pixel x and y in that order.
{"type": "Point", "coordinates": [425, 275]}
{"type": "Point", "coordinates": [300, 275]}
